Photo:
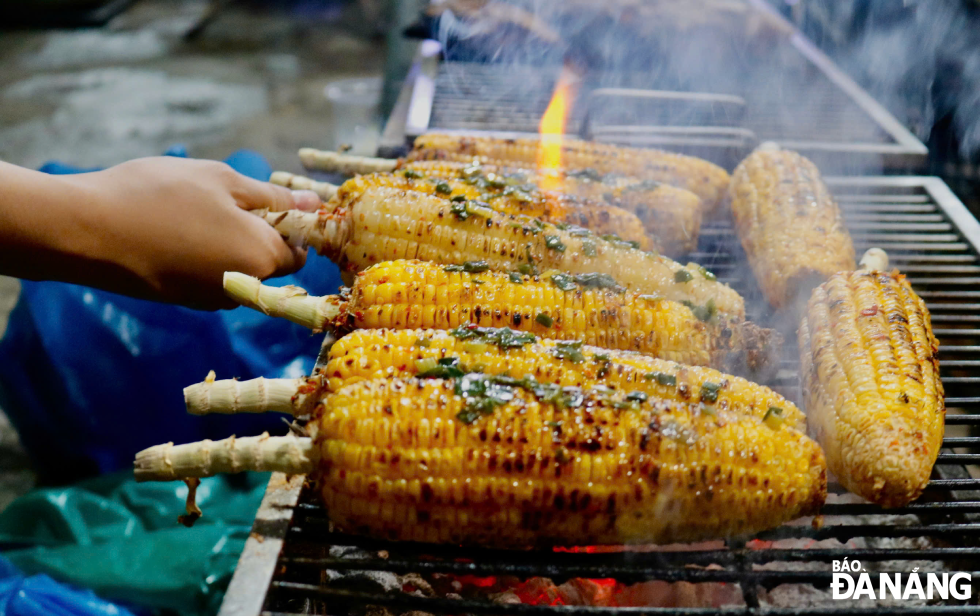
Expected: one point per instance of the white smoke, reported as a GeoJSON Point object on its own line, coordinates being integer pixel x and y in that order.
{"type": "Point", "coordinates": [919, 59]}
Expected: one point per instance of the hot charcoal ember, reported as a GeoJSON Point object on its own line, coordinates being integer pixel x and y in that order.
{"type": "Point", "coordinates": [608, 592]}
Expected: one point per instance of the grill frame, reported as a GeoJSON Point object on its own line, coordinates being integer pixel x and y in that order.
{"type": "Point", "coordinates": [899, 151]}
{"type": "Point", "coordinates": [950, 509]}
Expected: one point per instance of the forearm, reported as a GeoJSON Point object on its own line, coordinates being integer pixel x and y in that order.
{"type": "Point", "coordinates": [156, 228]}
{"type": "Point", "coordinates": [48, 227]}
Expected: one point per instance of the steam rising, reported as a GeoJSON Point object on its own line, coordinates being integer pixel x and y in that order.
{"type": "Point", "coordinates": [733, 47]}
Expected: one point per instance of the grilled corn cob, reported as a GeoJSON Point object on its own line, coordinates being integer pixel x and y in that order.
{"type": "Point", "coordinates": [509, 198]}
{"type": "Point", "coordinates": [504, 462]}
{"type": "Point", "coordinates": [789, 225]}
{"type": "Point", "coordinates": [384, 223]}
{"type": "Point", "coordinates": [417, 294]}
{"type": "Point", "coordinates": [871, 384]}
{"type": "Point", "coordinates": [707, 180]}
{"type": "Point", "coordinates": [670, 214]}
{"type": "Point", "coordinates": [386, 353]}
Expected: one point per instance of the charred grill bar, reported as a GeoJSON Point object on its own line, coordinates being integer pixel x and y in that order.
{"type": "Point", "coordinates": [929, 235]}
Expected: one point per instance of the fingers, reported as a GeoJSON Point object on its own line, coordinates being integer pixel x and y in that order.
{"type": "Point", "coordinates": [306, 200]}
{"type": "Point", "coordinates": [293, 259]}
{"type": "Point", "coordinates": [253, 195]}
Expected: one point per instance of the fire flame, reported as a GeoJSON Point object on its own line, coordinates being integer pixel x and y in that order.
{"type": "Point", "coordinates": [552, 130]}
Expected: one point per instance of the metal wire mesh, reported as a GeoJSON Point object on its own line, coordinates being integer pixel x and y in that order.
{"type": "Point", "coordinates": [913, 219]}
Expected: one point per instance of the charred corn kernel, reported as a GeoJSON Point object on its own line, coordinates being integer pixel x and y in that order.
{"type": "Point", "coordinates": [707, 180]}
{"type": "Point", "coordinates": [420, 295]}
{"type": "Point", "coordinates": [789, 225]}
{"type": "Point", "coordinates": [385, 353]}
{"type": "Point", "coordinates": [531, 464]}
{"type": "Point", "coordinates": [670, 214]}
{"type": "Point", "coordinates": [871, 384]}
{"type": "Point", "coordinates": [384, 224]}
{"type": "Point", "coordinates": [509, 197]}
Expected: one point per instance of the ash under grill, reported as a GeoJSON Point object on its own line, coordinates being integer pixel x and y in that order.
{"type": "Point", "coordinates": [295, 564]}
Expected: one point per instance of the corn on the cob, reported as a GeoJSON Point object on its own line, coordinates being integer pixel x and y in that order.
{"type": "Point", "coordinates": [707, 180]}
{"type": "Point", "coordinates": [385, 223]}
{"type": "Point", "coordinates": [417, 294]}
{"type": "Point", "coordinates": [670, 214]}
{"type": "Point", "coordinates": [789, 224]}
{"type": "Point", "coordinates": [503, 462]}
{"type": "Point", "coordinates": [871, 384]}
{"type": "Point", "coordinates": [509, 198]}
{"type": "Point", "coordinates": [387, 353]}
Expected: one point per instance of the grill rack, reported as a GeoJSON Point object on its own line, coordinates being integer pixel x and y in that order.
{"type": "Point", "coordinates": [929, 234]}
{"type": "Point", "coordinates": [837, 124]}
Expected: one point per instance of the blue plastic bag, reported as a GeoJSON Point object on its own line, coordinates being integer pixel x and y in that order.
{"type": "Point", "coordinates": [89, 378]}
{"type": "Point", "coordinates": [39, 595]}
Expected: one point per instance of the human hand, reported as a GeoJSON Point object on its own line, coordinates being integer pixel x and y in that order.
{"type": "Point", "coordinates": [168, 228]}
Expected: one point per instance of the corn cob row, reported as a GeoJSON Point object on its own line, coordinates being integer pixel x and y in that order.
{"type": "Point", "coordinates": [871, 384]}
{"type": "Point", "coordinates": [789, 224]}
{"type": "Point", "coordinates": [672, 215]}
{"type": "Point", "coordinates": [706, 180]}
{"type": "Point", "coordinates": [367, 354]}
{"type": "Point", "coordinates": [502, 462]}
{"type": "Point", "coordinates": [385, 223]}
{"type": "Point", "coordinates": [417, 294]}
{"type": "Point", "coordinates": [513, 198]}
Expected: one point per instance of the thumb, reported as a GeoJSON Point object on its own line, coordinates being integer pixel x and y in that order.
{"type": "Point", "coordinates": [253, 195]}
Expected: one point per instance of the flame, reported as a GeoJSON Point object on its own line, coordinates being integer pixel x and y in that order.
{"type": "Point", "coordinates": [552, 129]}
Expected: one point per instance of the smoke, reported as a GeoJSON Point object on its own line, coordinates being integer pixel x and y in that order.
{"type": "Point", "coordinates": [921, 60]}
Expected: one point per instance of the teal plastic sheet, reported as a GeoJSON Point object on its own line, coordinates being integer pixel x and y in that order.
{"type": "Point", "coordinates": [122, 539]}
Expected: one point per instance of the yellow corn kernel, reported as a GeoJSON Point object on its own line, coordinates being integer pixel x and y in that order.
{"type": "Point", "coordinates": [509, 198]}
{"type": "Point", "coordinates": [397, 294]}
{"type": "Point", "coordinates": [367, 354]}
{"type": "Point", "coordinates": [385, 224]}
{"type": "Point", "coordinates": [789, 224]}
{"type": "Point", "coordinates": [707, 180]}
{"type": "Point", "coordinates": [871, 384]}
{"type": "Point", "coordinates": [567, 467]}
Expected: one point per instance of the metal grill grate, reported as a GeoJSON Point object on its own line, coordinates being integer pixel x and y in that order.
{"type": "Point", "coordinates": [798, 98]}
{"type": "Point", "coordinates": [931, 237]}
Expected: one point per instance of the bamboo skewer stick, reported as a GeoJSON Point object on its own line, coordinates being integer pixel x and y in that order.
{"type": "Point", "coordinates": [875, 260]}
{"type": "Point", "coordinates": [229, 396]}
{"type": "Point", "coordinates": [286, 454]}
{"type": "Point", "coordinates": [346, 164]}
{"type": "Point", "coordinates": [325, 190]}
{"type": "Point", "coordinates": [316, 229]}
{"type": "Point", "coordinates": [288, 302]}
